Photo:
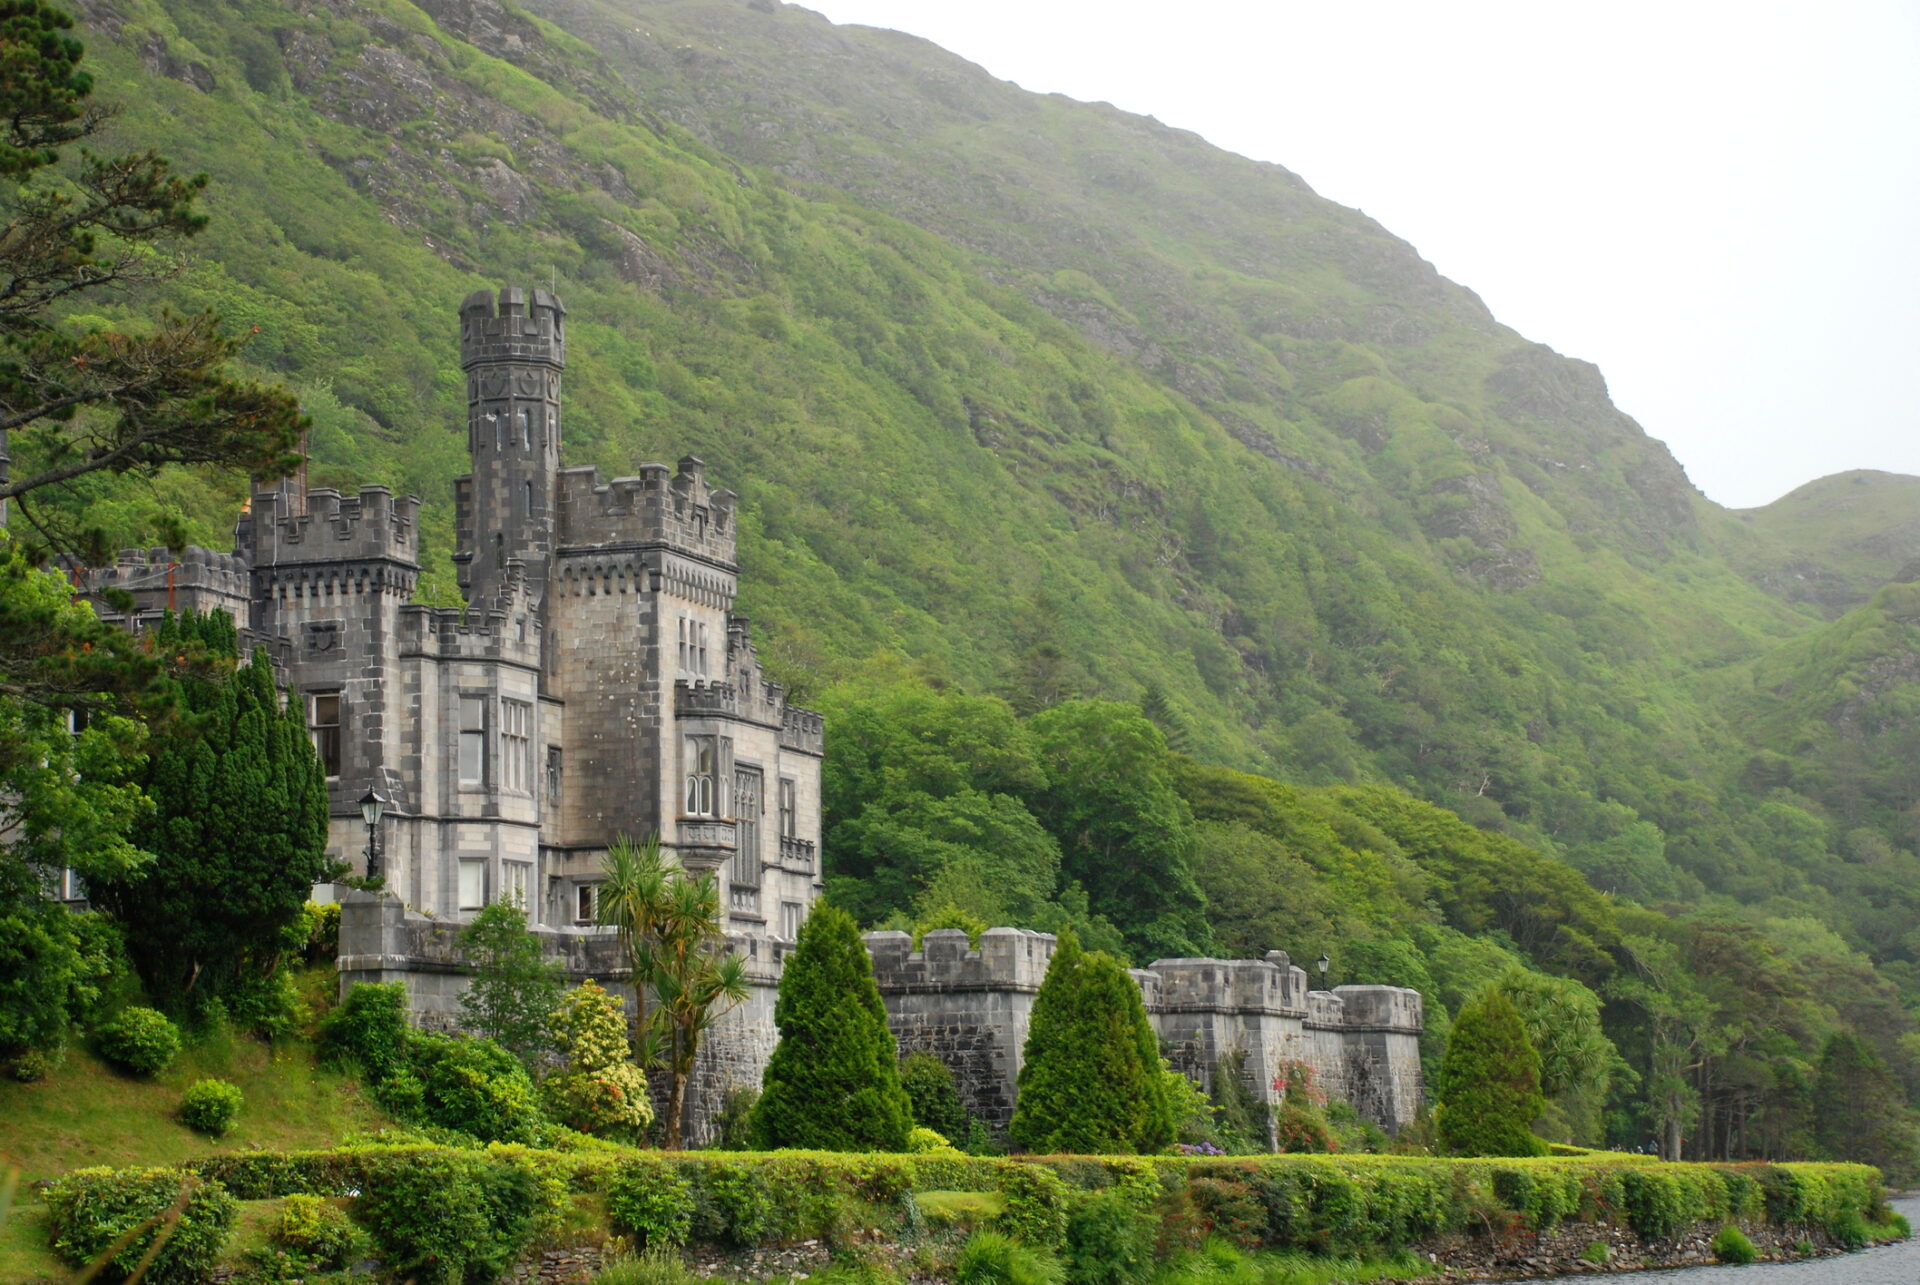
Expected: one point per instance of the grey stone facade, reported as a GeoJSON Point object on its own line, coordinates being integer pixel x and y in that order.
{"type": "Point", "coordinates": [596, 685]}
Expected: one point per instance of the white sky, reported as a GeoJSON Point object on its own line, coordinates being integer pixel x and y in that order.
{"type": "Point", "coordinates": [1714, 202]}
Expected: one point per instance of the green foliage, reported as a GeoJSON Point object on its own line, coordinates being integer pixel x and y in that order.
{"type": "Point", "coordinates": [1034, 1205]}
{"type": "Point", "coordinates": [833, 1081]}
{"type": "Point", "coordinates": [514, 988]}
{"type": "Point", "coordinates": [309, 1235]}
{"type": "Point", "coordinates": [929, 1087]}
{"type": "Point", "coordinates": [238, 836]}
{"type": "Point", "coordinates": [990, 1258]}
{"type": "Point", "coordinates": [370, 1028]}
{"type": "Point", "coordinates": [669, 924]}
{"type": "Point", "coordinates": [477, 1087]}
{"type": "Point", "coordinates": [141, 1041]}
{"type": "Point", "coordinates": [118, 1215]}
{"type": "Point", "coordinates": [1091, 1081]}
{"type": "Point", "coordinates": [657, 1266]}
{"type": "Point", "coordinates": [1859, 1112]}
{"type": "Point", "coordinates": [1109, 1239]}
{"type": "Point", "coordinates": [653, 1202]}
{"type": "Point", "coordinates": [1730, 1245]}
{"type": "Point", "coordinates": [211, 1106]}
{"type": "Point", "coordinates": [449, 1216]}
{"type": "Point", "coordinates": [600, 1090]}
{"type": "Point", "coordinates": [1490, 1082]}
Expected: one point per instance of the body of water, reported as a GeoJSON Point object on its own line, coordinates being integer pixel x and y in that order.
{"type": "Point", "coordinates": [1887, 1265]}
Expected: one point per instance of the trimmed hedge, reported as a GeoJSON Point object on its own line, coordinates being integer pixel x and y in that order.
{"type": "Point", "coordinates": [90, 1210]}
{"type": "Point", "coordinates": [1325, 1204]}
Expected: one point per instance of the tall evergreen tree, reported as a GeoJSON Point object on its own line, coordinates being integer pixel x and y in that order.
{"type": "Point", "coordinates": [238, 835]}
{"type": "Point", "coordinates": [1092, 1081]}
{"type": "Point", "coordinates": [833, 1082]}
{"type": "Point", "coordinates": [1490, 1082]}
{"type": "Point", "coordinates": [1859, 1112]}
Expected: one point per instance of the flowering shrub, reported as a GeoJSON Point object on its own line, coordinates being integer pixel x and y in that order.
{"type": "Point", "coordinates": [601, 1091]}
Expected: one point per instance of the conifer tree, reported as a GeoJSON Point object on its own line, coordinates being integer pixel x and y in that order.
{"type": "Point", "coordinates": [1092, 1081]}
{"type": "Point", "coordinates": [833, 1082]}
{"type": "Point", "coordinates": [238, 835]}
{"type": "Point", "coordinates": [1490, 1082]}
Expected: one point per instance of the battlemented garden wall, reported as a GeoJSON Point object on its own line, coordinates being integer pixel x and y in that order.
{"type": "Point", "coordinates": [968, 1006]}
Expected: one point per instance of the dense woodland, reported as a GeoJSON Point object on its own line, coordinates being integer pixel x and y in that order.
{"type": "Point", "coordinates": [1176, 556]}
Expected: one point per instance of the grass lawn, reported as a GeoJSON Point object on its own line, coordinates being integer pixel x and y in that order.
{"type": "Point", "coordinates": [87, 1113]}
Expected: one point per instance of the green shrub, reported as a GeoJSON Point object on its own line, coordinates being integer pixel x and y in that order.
{"type": "Point", "coordinates": [210, 1106]}
{"type": "Point", "coordinates": [1109, 1239]}
{"type": "Point", "coordinates": [990, 1258]}
{"type": "Point", "coordinates": [268, 1006]}
{"type": "Point", "coordinates": [1091, 1081]}
{"type": "Point", "coordinates": [1489, 1082]}
{"type": "Point", "coordinates": [833, 1081]}
{"type": "Point", "coordinates": [923, 1142]}
{"type": "Point", "coordinates": [91, 1210]}
{"type": "Point", "coordinates": [1848, 1229]}
{"type": "Point", "coordinates": [476, 1086]}
{"type": "Point", "coordinates": [936, 1103]}
{"type": "Point", "coordinates": [1035, 1205]}
{"type": "Point", "coordinates": [649, 1199]}
{"type": "Point", "coordinates": [1661, 1202]}
{"type": "Point", "coordinates": [1230, 1210]}
{"type": "Point", "coordinates": [370, 1029]}
{"type": "Point", "coordinates": [733, 1126]}
{"type": "Point", "coordinates": [140, 1040]}
{"type": "Point", "coordinates": [1731, 1245]}
{"type": "Point", "coordinates": [32, 1066]}
{"type": "Point", "coordinates": [601, 1091]}
{"type": "Point", "coordinates": [657, 1266]}
{"type": "Point", "coordinates": [445, 1217]}
{"type": "Point", "coordinates": [1596, 1252]}
{"type": "Point", "coordinates": [310, 1236]}
{"type": "Point", "coordinates": [735, 1204]}
{"type": "Point", "coordinates": [321, 927]}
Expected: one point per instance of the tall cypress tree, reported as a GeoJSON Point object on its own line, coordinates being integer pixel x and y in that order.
{"type": "Point", "coordinates": [238, 833]}
{"type": "Point", "coordinates": [833, 1081]}
{"type": "Point", "coordinates": [1091, 1082]}
{"type": "Point", "coordinates": [1490, 1082]}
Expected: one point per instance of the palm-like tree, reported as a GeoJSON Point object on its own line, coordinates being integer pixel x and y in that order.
{"type": "Point", "coordinates": [684, 978]}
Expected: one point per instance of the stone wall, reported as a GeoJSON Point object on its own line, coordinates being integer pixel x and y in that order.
{"type": "Point", "coordinates": [969, 1007]}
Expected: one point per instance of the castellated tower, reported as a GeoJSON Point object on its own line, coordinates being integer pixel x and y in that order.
{"type": "Point", "coordinates": [512, 356]}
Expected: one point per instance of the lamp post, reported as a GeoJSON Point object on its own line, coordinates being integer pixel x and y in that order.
{"type": "Point", "coordinates": [371, 806]}
{"type": "Point", "coordinates": [1322, 963]}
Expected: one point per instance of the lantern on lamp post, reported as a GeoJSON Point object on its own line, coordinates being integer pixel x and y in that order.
{"type": "Point", "coordinates": [371, 807]}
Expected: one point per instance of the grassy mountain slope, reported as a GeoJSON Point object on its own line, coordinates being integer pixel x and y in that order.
{"type": "Point", "coordinates": [1833, 542]}
{"type": "Point", "coordinates": [1031, 395]}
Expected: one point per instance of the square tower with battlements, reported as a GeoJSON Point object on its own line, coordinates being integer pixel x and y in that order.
{"type": "Point", "coordinates": [595, 686]}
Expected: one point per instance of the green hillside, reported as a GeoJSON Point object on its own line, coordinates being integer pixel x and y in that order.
{"type": "Point", "coordinates": [1028, 396]}
{"type": "Point", "coordinates": [1837, 540]}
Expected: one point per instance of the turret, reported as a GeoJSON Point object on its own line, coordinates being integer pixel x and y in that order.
{"type": "Point", "coordinates": [513, 354]}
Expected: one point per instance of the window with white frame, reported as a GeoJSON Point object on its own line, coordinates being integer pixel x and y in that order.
{"type": "Point", "coordinates": [789, 809]}
{"type": "Point", "coordinates": [473, 740]}
{"type": "Point", "coordinates": [516, 745]}
{"type": "Point", "coordinates": [702, 797]}
{"type": "Point", "coordinates": [473, 883]}
{"type": "Point", "coordinates": [583, 904]}
{"type": "Point", "coordinates": [323, 721]}
{"type": "Point", "coordinates": [515, 876]}
{"type": "Point", "coordinates": [746, 816]}
{"type": "Point", "coordinates": [693, 647]}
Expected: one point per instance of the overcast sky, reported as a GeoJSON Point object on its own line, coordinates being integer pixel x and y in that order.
{"type": "Point", "coordinates": [1717, 203]}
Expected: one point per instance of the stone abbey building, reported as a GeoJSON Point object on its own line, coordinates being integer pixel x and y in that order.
{"type": "Point", "coordinates": [596, 685]}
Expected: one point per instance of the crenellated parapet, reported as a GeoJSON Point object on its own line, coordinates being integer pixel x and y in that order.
{"type": "Point", "coordinates": [659, 507]}
{"type": "Point", "coordinates": [518, 327]}
{"type": "Point", "coordinates": [972, 1008]}
{"type": "Point", "coordinates": [160, 580]}
{"type": "Point", "coordinates": [375, 526]}
{"type": "Point", "coordinates": [802, 730]}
